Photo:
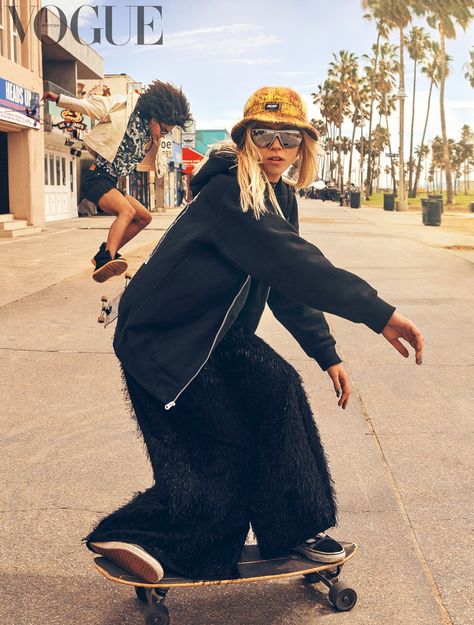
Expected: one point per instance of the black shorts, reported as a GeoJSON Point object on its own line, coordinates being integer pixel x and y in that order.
{"type": "Point", "coordinates": [95, 183]}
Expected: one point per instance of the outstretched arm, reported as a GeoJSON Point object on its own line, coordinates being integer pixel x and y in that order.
{"type": "Point", "coordinates": [95, 106]}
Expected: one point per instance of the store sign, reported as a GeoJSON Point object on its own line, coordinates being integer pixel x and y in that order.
{"type": "Point", "coordinates": [166, 148]}
{"type": "Point", "coordinates": [191, 158]}
{"type": "Point", "coordinates": [69, 126]}
{"type": "Point", "coordinates": [19, 105]}
{"type": "Point", "coordinates": [189, 140]}
{"type": "Point", "coordinates": [71, 116]}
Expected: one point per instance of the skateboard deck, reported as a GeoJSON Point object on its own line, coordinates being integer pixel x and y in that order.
{"type": "Point", "coordinates": [252, 568]}
{"type": "Point", "coordinates": [109, 308]}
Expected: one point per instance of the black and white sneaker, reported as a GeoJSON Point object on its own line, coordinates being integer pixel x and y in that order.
{"type": "Point", "coordinates": [132, 558]}
{"type": "Point", "coordinates": [322, 548]}
{"type": "Point", "coordinates": [106, 267]}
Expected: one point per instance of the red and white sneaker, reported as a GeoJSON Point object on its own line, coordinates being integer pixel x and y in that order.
{"type": "Point", "coordinates": [132, 558]}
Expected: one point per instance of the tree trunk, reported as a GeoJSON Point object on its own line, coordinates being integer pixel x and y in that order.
{"type": "Point", "coordinates": [371, 114]}
{"type": "Point", "coordinates": [402, 198]}
{"type": "Point", "coordinates": [352, 151]}
{"type": "Point", "coordinates": [410, 178]}
{"type": "Point", "coordinates": [447, 160]}
{"type": "Point", "coordinates": [420, 155]}
{"type": "Point", "coordinates": [392, 166]}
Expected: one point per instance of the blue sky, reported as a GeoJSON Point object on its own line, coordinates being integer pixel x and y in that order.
{"type": "Point", "coordinates": [220, 51]}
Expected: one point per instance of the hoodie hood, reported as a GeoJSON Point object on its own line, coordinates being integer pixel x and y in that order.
{"type": "Point", "coordinates": [219, 162]}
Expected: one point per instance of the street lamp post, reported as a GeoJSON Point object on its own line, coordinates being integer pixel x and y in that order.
{"type": "Point", "coordinates": [402, 204]}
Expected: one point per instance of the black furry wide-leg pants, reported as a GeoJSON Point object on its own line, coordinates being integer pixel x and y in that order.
{"type": "Point", "coordinates": [239, 447]}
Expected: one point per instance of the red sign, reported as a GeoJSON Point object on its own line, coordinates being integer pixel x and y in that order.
{"type": "Point", "coordinates": [191, 158]}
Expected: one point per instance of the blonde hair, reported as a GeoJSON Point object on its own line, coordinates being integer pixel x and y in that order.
{"type": "Point", "coordinates": [251, 178]}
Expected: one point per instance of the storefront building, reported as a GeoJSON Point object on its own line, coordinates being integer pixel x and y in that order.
{"type": "Point", "coordinates": [65, 64]}
{"type": "Point", "coordinates": [21, 134]}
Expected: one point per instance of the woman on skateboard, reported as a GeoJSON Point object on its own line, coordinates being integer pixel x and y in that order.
{"type": "Point", "coordinates": [126, 137]}
{"type": "Point", "coordinates": [225, 419]}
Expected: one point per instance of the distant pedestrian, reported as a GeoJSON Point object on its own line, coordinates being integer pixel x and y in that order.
{"type": "Point", "coordinates": [124, 139]}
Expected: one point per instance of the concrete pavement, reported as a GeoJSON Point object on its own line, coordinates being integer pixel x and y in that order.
{"type": "Point", "coordinates": [401, 454]}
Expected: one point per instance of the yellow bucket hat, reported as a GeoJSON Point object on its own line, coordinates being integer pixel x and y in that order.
{"type": "Point", "coordinates": [275, 105]}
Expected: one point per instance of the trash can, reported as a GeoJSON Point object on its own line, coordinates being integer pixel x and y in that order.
{"type": "Point", "coordinates": [355, 199]}
{"type": "Point", "coordinates": [439, 198]}
{"type": "Point", "coordinates": [389, 201]}
{"type": "Point", "coordinates": [431, 212]}
{"type": "Point", "coordinates": [424, 208]}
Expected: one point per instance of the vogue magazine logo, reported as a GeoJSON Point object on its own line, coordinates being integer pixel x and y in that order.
{"type": "Point", "coordinates": [147, 20]}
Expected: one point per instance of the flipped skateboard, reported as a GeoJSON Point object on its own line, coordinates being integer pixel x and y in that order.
{"type": "Point", "coordinates": [109, 308]}
{"type": "Point", "coordinates": [252, 568]}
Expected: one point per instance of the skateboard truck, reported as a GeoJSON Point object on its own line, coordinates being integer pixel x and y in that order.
{"type": "Point", "coordinates": [156, 613]}
{"type": "Point", "coordinates": [341, 595]}
{"type": "Point", "coordinates": [108, 311]}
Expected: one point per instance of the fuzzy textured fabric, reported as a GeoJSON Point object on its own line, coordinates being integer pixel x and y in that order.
{"type": "Point", "coordinates": [239, 447]}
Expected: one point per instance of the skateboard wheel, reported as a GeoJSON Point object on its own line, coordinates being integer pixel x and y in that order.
{"type": "Point", "coordinates": [141, 593]}
{"type": "Point", "coordinates": [342, 597]}
{"type": "Point", "coordinates": [157, 615]}
{"type": "Point", "coordinates": [312, 578]}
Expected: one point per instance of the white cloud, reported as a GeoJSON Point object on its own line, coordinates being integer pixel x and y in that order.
{"type": "Point", "coordinates": [223, 43]}
{"type": "Point", "coordinates": [182, 36]}
{"type": "Point", "coordinates": [251, 61]}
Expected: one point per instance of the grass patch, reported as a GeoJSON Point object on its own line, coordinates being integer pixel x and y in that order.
{"type": "Point", "coordinates": [461, 202]}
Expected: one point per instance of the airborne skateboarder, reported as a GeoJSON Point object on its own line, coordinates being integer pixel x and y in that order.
{"type": "Point", "coordinates": [125, 137]}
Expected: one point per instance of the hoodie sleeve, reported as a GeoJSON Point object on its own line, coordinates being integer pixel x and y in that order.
{"type": "Point", "coordinates": [307, 325]}
{"type": "Point", "coordinates": [270, 249]}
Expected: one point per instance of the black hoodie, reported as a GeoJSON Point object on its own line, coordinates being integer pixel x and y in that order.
{"type": "Point", "coordinates": [217, 264]}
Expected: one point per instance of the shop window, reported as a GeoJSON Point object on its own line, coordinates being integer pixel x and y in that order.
{"type": "Point", "coordinates": [51, 169]}
{"type": "Point", "coordinates": [58, 171]}
{"type": "Point", "coordinates": [2, 30]}
{"type": "Point", "coordinates": [63, 171]}
{"type": "Point", "coordinates": [14, 38]}
{"type": "Point", "coordinates": [46, 169]}
{"type": "Point", "coordinates": [71, 176]}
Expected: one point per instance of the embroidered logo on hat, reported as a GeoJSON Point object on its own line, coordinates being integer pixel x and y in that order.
{"type": "Point", "coordinates": [272, 106]}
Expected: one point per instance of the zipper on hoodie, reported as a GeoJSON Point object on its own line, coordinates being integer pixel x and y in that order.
{"type": "Point", "coordinates": [171, 404]}
{"type": "Point", "coordinates": [169, 228]}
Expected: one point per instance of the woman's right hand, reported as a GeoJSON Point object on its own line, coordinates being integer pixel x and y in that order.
{"type": "Point", "coordinates": [49, 95]}
{"type": "Point", "coordinates": [399, 327]}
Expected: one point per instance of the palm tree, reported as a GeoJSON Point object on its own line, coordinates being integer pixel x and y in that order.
{"type": "Point", "coordinates": [386, 100]}
{"type": "Point", "coordinates": [437, 162]}
{"type": "Point", "coordinates": [432, 70]}
{"type": "Point", "coordinates": [343, 73]}
{"type": "Point", "coordinates": [397, 14]}
{"type": "Point", "coordinates": [421, 152]}
{"type": "Point", "coordinates": [371, 72]}
{"type": "Point", "coordinates": [359, 100]}
{"type": "Point", "coordinates": [327, 100]}
{"type": "Point", "coordinates": [469, 68]}
{"type": "Point", "coordinates": [444, 15]}
{"type": "Point", "coordinates": [416, 44]}
{"type": "Point", "coordinates": [466, 153]}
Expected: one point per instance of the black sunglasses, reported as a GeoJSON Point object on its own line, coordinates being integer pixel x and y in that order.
{"type": "Point", "coordinates": [264, 137]}
{"type": "Point", "coordinates": [164, 131]}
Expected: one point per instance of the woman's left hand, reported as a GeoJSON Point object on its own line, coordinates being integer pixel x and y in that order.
{"type": "Point", "coordinates": [340, 380]}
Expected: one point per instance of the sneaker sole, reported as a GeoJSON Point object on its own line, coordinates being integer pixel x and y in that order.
{"type": "Point", "coordinates": [132, 560]}
{"type": "Point", "coordinates": [110, 269]}
{"type": "Point", "coordinates": [321, 557]}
